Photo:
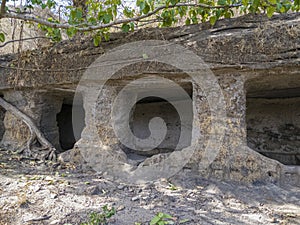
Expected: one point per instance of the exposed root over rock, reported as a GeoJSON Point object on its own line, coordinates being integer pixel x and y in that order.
{"type": "Point", "coordinates": [47, 150]}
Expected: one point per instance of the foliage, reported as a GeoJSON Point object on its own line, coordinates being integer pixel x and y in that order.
{"type": "Point", "coordinates": [162, 219]}
{"type": "Point", "coordinates": [100, 17]}
{"type": "Point", "coordinates": [172, 187]}
{"type": "Point", "coordinates": [100, 218]}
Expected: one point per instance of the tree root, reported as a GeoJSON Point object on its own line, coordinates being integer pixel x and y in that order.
{"type": "Point", "coordinates": [47, 151]}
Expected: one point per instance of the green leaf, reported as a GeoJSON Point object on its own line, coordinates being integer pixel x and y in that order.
{"type": "Point", "coordinates": [128, 12]}
{"type": "Point", "coordinates": [155, 220]}
{"type": "Point", "coordinates": [106, 36]}
{"type": "Point", "coordinates": [270, 11]}
{"type": "Point", "coordinates": [227, 15]}
{"type": "Point", "coordinates": [213, 20]}
{"type": "Point", "coordinates": [50, 3]}
{"type": "Point", "coordinates": [71, 31]}
{"type": "Point", "coordinates": [78, 14]}
{"type": "Point", "coordinates": [142, 5]}
{"type": "Point", "coordinates": [282, 10]}
{"type": "Point", "coordinates": [2, 37]}
{"type": "Point", "coordinates": [255, 5]}
{"type": "Point", "coordinates": [107, 18]}
{"type": "Point", "coordinates": [97, 40]}
{"type": "Point", "coordinates": [222, 2]}
{"type": "Point", "coordinates": [92, 20]}
{"type": "Point", "coordinates": [245, 2]}
{"type": "Point", "coordinates": [273, 1]}
{"type": "Point", "coordinates": [174, 2]}
{"type": "Point", "coordinates": [146, 9]}
{"type": "Point", "coordinates": [188, 21]}
{"type": "Point", "coordinates": [161, 215]}
{"type": "Point", "coordinates": [125, 28]}
{"type": "Point", "coordinates": [167, 216]}
{"type": "Point", "coordinates": [131, 26]}
{"type": "Point", "coordinates": [278, 6]}
{"type": "Point", "coordinates": [182, 11]}
{"type": "Point", "coordinates": [219, 13]}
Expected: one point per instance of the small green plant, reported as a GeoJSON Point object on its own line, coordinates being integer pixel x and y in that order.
{"type": "Point", "coordinates": [100, 218]}
{"type": "Point", "coordinates": [172, 187]}
{"type": "Point", "coordinates": [162, 219]}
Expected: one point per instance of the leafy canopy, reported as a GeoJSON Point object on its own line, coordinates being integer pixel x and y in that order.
{"type": "Point", "coordinates": [100, 17]}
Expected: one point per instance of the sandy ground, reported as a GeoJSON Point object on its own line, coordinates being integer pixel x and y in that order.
{"type": "Point", "coordinates": [35, 193]}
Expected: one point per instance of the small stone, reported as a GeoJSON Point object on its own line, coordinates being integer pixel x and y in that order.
{"type": "Point", "coordinates": [121, 187]}
{"type": "Point", "coordinates": [145, 198]}
{"type": "Point", "coordinates": [48, 178]}
{"type": "Point", "coordinates": [120, 208]}
{"type": "Point", "coordinates": [53, 196]}
{"type": "Point", "coordinates": [135, 198]}
{"type": "Point", "coordinates": [36, 188]}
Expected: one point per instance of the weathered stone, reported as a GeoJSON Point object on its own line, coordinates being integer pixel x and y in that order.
{"type": "Point", "coordinates": [255, 61]}
{"type": "Point", "coordinates": [2, 129]}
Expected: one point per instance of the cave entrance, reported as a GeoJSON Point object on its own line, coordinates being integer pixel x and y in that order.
{"type": "Point", "coordinates": [150, 107]}
{"type": "Point", "coordinates": [2, 115]}
{"type": "Point", "coordinates": [67, 135]}
{"type": "Point", "coordinates": [273, 123]}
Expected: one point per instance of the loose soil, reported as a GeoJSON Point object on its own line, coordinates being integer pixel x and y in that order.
{"type": "Point", "coordinates": [34, 192]}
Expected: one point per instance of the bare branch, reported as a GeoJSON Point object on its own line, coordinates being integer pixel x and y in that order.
{"type": "Point", "coordinates": [24, 39]}
{"type": "Point", "coordinates": [114, 23]}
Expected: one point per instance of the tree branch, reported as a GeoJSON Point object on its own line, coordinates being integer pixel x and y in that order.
{"type": "Point", "coordinates": [114, 23]}
{"type": "Point", "coordinates": [24, 39]}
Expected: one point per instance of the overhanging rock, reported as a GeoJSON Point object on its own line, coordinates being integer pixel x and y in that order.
{"type": "Point", "coordinates": [255, 61]}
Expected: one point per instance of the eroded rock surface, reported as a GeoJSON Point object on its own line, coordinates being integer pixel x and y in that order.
{"type": "Point", "coordinates": [250, 57]}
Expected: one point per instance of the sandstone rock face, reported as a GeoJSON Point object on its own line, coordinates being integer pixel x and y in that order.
{"type": "Point", "coordinates": [42, 107]}
{"type": "Point", "coordinates": [2, 130]}
{"type": "Point", "coordinates": [16, 132]}
{"type": "Point", "coordinates": [254, 60]}
{"type": "Point", "coordinates": [274, 128]}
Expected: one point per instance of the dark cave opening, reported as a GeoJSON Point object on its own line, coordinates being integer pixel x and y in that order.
{"type": "Point", "coordinates": [65, 119]}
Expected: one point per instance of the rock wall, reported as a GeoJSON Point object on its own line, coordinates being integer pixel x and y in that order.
{"type": "Point", "coordinates": [42, 107]}
{"type": "Point", "coordinates": [244, 43]}
{"type": "Point", "coordinates": [145, 111]}
{"type": "Point", "coordinates": [16, 132]}
{"type": "Point", "coordinates": [234, 161]}
{"type": "Point", "coordinates": [251, 57]}
{"type": "Point", "coordinates": [273, 127]}
{"type": "Point", "coordinates": [2, 130]}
